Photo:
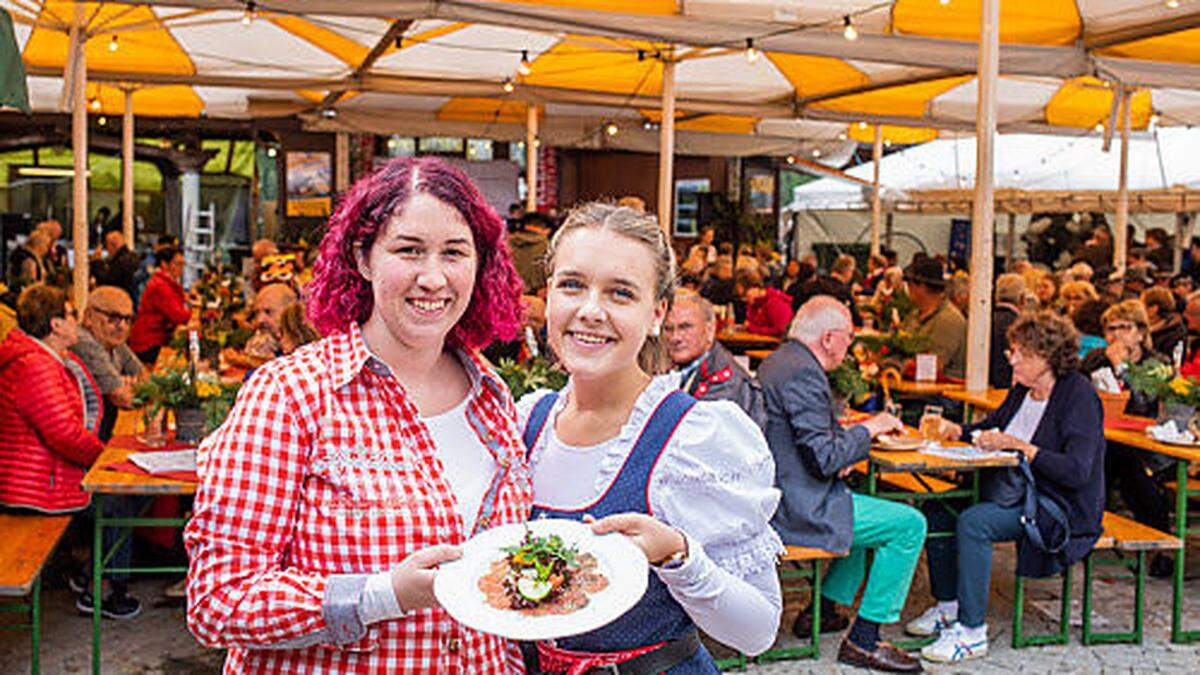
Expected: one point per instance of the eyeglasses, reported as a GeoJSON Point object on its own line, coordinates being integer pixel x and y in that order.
{"type": "Point", "coordinates": [1119, 327]}
{"type": "Point", "coordinates": [114, 317]}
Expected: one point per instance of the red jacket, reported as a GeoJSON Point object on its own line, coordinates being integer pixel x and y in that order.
{"type": "Point", "coordinates": [163, 308]}
{"type": "Point", "coordinates": [44, 448]}
{"type": "Point", "coordinates": [770, 313]}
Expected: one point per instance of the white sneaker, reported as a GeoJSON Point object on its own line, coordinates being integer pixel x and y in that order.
{"type": "Point", "coordinates": [932, 622]}
{"type": "Point", "coordinates": [955, 645]}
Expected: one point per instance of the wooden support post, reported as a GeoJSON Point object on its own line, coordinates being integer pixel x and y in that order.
{"type": "Point", "coordinates": [341, 151]}
{"type": "Point", "coordinates": [1120, 240]}
{"type": "Point", "coordinates": [127, 169]}
{"type": "Point", "coordinates": [666, 145]}
{"type": "Point", "coordinates": [1012, 242]}
{"type": "Point", "coordinates": [980, 314]}
{"type": "Point", "coordinates": [1183, 238]}
{"type": "Point", "coordinates": [876, 197]}
{"type": "Point", "coordinates": [79, 151]}
{"type": "Point", "coordinates": [531, 155]}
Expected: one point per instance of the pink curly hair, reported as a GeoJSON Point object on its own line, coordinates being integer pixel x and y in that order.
{"type": "Point", "coordinates": [339, 295]}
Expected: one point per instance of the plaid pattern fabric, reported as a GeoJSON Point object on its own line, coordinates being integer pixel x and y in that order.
{"type": "Point", "coordinates": [324, 468]}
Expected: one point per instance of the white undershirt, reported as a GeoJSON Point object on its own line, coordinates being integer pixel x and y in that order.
{"type": "Point", "coordinates": [582, 463]}
{"type": "Point", "coordinates": [1028, 417]}
{"type": "Point", "coordinates": [467, 464]}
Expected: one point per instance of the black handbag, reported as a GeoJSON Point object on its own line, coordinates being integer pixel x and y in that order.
{"type": "Point", "coordinates": [1042, 517]}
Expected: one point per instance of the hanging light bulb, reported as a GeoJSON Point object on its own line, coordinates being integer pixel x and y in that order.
{"type": "Point", "coordinates": [95, 104]}
{"type": "Point", "coordinates": [791, 159]}
{"type": "Point", "coordinates": [1172, 4]}
{"type": "Point", "coordinates": [1154, 119]}
{"type": "Point", "coordinates": [102, 121]}
{"type": "Point", "coordinates": [850, 32]}
{"type": "Point", "coordinates": [816, 153]}
{"type": "Point", "coordinates": [250, 13]}
{"type": "Point", "coordinates": [523, 67]}
{"type": "Point", "coordinates": [112, 44]}
{"type": "Point", "coordinates": [611, 129]}
{"type": "Point", "coordinates": [508, 86]}
{"type": "Point", "coordinates": [271, 152]}
{"type": "Point", "coordinates": [944, 2]}
{"type": "Point", "coordinates": [1099, 127]}
{"type": "Point", "coordinates": [862, 125]}
{"type": "Point", "coordinates": [752, 54]}
{"type": "Point", "coordinates": [842, 136]}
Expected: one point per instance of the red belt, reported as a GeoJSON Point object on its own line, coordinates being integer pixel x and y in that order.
{"type": "Point", "coordinates": [555, 660]}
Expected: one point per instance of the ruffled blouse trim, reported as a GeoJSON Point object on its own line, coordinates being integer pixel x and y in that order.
{"type": "Point", "coordinates": [749, 557]}
{"type": "Point", "coordinates": [616, 449]}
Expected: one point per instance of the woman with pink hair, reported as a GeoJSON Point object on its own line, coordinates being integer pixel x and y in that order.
{"type": "Point", "coordinates": [350, 468]}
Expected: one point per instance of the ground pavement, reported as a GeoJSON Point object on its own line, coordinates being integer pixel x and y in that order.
{"type": "Point", "coordinates": [158, 641]}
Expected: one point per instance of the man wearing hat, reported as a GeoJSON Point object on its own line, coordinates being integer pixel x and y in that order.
{"type": "Point", "coordinates": [936, 318]}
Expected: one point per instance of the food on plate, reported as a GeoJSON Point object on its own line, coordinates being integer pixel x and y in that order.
{"type": "Point", "coordinates": [542, 575]}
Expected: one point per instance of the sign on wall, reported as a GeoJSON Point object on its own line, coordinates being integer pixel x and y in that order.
{"type": "Point", "coordinates": [309, 184]}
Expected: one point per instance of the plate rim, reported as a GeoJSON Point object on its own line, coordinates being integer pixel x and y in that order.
{"type": "Point", "coordinates": [640, 581]}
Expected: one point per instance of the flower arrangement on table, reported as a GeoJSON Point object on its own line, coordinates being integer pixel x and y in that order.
{"type": "Point", "coordinates": [222, 304]}
{"type": "Point", "coordinates": [896, 345]}
{"type": "Point", "coordinates": [530, 375]}
{"type": "Point", "coordinates": [851, 380]}
{"type": "Point", "coordinates": [1160, 381]}
{"type": "Point", "coordinates": [179, 388]}
{"type": "Point", "coordinates": [895, 309]}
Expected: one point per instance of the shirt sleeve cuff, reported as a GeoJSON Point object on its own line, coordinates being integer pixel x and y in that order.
{"type": "Point", "coordinates": [343, 594]}
{"type": "Point", "coordinates": [379, 600]}
{"type": "Point", "coordinates": [691, 570]}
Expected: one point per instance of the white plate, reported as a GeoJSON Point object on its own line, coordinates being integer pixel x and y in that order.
{"type": "Point", "coordinates": [456, 585]}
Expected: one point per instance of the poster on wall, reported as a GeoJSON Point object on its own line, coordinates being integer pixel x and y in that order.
{"type": "Point", "coordinates": [687, 205]}
{"type": "Point", "coordinates": [309, 184]}
{"type": "Point", "coordinates": [762, 192]}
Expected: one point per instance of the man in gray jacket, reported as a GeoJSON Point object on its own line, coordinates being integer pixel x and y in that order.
{"type": "Point", "coordinates": [707, 370]}
{"type": "Point", "coordinates": [813, 454]}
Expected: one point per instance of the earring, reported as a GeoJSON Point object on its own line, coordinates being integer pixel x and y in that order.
{"type": "Point", "coordinates": [655, 330]}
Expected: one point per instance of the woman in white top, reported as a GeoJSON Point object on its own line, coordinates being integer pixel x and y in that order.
{"type": "Point", "coordinates": [690, 482]}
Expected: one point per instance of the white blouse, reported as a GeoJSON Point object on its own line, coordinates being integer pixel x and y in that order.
{"type": "Point", "coordinates": [714, 482]}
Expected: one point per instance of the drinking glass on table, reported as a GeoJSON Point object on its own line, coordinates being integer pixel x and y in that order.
{"type": "Point", "coordinates": [931, 423]}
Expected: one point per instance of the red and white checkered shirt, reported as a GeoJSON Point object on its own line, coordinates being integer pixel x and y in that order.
{"type": "Point", "coordinates": [322, 475]}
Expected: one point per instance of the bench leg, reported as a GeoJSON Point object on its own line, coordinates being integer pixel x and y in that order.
{"type": "Point", "coordinates": [35, 627]}
{"type": "Point", "coordinates": [1061, 637]}
{"type": "Point", "coordinates": [810, 571]}
{"type": "Point", "coordinates": [1137, 569]}
{"type": "Point", "coordinates": [98, 554]}
{"type": "Point", "coordinates": [815, 640]}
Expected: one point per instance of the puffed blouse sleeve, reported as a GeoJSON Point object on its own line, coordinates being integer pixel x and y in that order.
{"type": "Point", "coordinates": [715, 482]}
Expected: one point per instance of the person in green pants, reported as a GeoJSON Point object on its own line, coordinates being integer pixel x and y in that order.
{"type": "Point", "coordinates": [813, 455]}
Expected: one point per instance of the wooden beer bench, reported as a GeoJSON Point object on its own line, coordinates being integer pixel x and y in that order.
{"type": "Point", "coordinates": [26, 542]}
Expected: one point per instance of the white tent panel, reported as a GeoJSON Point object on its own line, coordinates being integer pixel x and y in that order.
{"type": "Point", "coordinates": [795, 128]}
{"type": "Point", "coordinates": [731, 75]}
{"type": "Point", "coordinates": [1020, 99]}
{"type": "Point", "coordinates": [1178, 105]}
{"type": "Point", "coordinates": [262, 50]}
{"type": "Point", "coordinates": [44, 92]}
{"type": "Point", "coordinates": [1102, 16]}
{"type": "Point", "coordinates": [230, 102]}
{"type": "Point", "coordinates": [476, 52]}
{"type": "Point", "coordinates": [789, 11]}
{"type": "Point", "coordinates": [376, 100]}
{"type": "Point", "coordinates": [22, 32]}
{"type": "Point", "coordinates": [364, 30]}
{"type": "Point", "coordinates": [597, 111]}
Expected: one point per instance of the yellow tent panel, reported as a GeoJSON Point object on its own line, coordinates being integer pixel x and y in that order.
{"type": "Point", "coordinates": [865, 133]}
{"type": "Point", "coordinates": [1046, 22]}
{"type": "Point", "coordinates": [483, 110]}
{"type": "Point", "coordinates": [165, 101]}
{"type": "Point", "coordinates": [1085, 102]}
{"type": "Point", "coordinates": [149, 48]}
{"type": "Point", "coordinates": [349, 51]}
{"type": "Point", "coordinates": [1183, 46]}
{"type": "Point", "coordinates": [816, 75]}
{"type": "Point", "coordinates": [713, 124]}
{"type": "Point", "coordinates": [573, 64]}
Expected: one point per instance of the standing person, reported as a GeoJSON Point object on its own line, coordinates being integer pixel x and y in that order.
{"type": "Point", "coordinates": [26, 264]}
{"type": "Point", "coordinates": [352, 467]}
{"type": "Point", "coordinates": [1053, 418]}
{"type": "Point", "coordinates": [813, 455]}
{"type": "Point", "coordinates": [164, 307]}
{"type": "Point", "coordinates": [120, 265]}
{"type": "Point", "coordinates": [689, 481]}
{"type": "Point", "coordinates": [704, 249]}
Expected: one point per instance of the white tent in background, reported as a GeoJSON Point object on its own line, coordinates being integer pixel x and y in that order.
{"type": "Point", "coordinates": [1166, 159]}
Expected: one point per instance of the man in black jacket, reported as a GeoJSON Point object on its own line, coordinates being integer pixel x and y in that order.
{"type": "Point", "coordinates": [120, 265]}
{"type": "Point", "coordinates": [707, 369]}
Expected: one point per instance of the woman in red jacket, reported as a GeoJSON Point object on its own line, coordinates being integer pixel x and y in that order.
{"type": "Point", "coordinates": [768, 309]}
{"type": "Point", "coordinates": [44, 448]}
{"type": "Point", "coordinates": [163, 307]}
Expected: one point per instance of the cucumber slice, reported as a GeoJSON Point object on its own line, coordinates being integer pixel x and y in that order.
{"type": "Point", "coordinates": [533, 590]}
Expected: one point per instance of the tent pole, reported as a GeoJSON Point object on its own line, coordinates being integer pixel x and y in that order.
{"type": "Point", "coordinates": [341, 150]}
{"type": "Point", "coordinates": [1183, 238]}
{"type": "Point", "coordinates": [1012, 242]}
{"type": "Point", "coordinates": [531, 154]}
{"type": "Point", "coordinates": [1120, 238]}
{"type": "Point", "coordinates": [666, 146]}
{"type": "Point", "coordinates": [127, 169]}
{"type": "Point", "coordinates": [876, 198]}
{"type": "Point", "coordinates": [79, 152]}
{"type": "Point", "coordinates": [980, 314]}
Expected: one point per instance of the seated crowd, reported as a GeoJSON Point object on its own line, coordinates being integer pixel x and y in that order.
{"type": "Point", "coordinates": [1055, 340]}
{"type": "Point", "coordinates": [66, 375]}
